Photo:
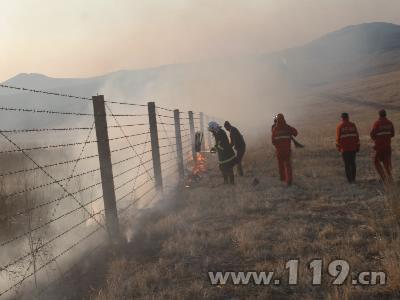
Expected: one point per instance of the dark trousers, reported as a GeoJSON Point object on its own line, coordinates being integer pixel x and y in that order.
{"type": "Point", "coordinates": [227, 172]}
{"type": "Point", "coordinates": [239, 154]}
{"type": "Point", "coordinates": [384, 157]}
{"type": "Point", "coordinates": [349, 159]}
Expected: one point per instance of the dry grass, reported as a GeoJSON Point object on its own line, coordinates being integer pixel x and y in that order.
{"type": "Point", "coordinates": [31, 216]}
{"type": "Point", "coordinates": [383, 88]}
{"type": "Point", "coordinates": [10, 206]}
{"type": "Point", "coordinates": [214, 227]}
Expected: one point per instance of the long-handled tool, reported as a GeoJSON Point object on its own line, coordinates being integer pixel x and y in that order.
{"type": "Point", "coordinates": [296, 143]}
{"type": "Point", "coordinates": [209, 151]}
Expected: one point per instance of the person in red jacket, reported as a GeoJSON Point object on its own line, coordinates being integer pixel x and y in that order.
{"type": "Point", "coordinates": [348, 143]}
{"type": "Point", "coordinates": [382, 133]}
{"type": "Point", "coordinates": [281, 138]}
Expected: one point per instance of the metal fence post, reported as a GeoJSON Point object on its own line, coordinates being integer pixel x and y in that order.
{"type": "Point", "coordinates": [192, 133]}
{"type": "Point", "coordinates": [203, 144]}
{"type": "Point", "coordinates": [179, 151]}
{"type": "Point", "coordinates": [155, 148]}
{"type": "Point", "coordinates": [107, 178]}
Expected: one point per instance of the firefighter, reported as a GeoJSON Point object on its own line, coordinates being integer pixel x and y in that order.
{"type": "Point", "coordinates": [281, 138]}
{"type": "Point", "coordinates": [226, 155]}
{"type": "Point", "coordinates": [237, 142]}
{"type": "Point", "coordinates": [348, 143]}
{"type": "Point", "coordinates": [382, 133]}
{"type": "Point", "coordinates": [296, 143]}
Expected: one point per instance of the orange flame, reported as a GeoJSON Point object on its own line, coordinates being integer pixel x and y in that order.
{"type": "Point", "coordinates": [199, 167]}
{"type": "Point", "coordinates": [199, 164]}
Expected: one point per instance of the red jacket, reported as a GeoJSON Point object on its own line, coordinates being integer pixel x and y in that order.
{"type": "Point", "coordinates": [382, 133]}
{"type": "Point", "coordinates": [282, 137]}
{"type": "Point", "coordinates": [347, 138]}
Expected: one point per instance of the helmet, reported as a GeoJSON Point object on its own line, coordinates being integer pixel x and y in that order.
{"type": "Point", "coordinates": [280, 118]}
{"type": "Point", "coordinates": [213, 126]}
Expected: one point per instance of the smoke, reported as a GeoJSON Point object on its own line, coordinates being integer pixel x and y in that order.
{"type": "Point", "coordinates": [101, 36]}
{"type": "Point", "coordinates": [247, 91]}
{"type": "Point", "coordinates": [231, 79]}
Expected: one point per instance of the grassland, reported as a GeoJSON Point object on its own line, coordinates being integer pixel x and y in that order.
{"type": "Point", "coordinates": [211, 227]}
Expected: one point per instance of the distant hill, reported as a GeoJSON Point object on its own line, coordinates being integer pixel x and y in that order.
{"type": "Point", "coordinates": [353, 52]}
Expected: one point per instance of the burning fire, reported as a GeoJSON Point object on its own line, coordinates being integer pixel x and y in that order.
{"type": "Point", "coordinates": [199, 164]}
{"type": "Point", "coordinates": [199, 167]}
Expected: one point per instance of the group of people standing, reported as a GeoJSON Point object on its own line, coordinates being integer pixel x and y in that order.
{"type": "Point", "coordinates": [230, 151]}
{"type": "Point", "coordinates": [348, 143]}
{"type": "Point", "coordinates": [282, 135]}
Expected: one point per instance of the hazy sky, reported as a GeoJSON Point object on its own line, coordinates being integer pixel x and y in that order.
{"type": "Point", "coordinates": [68, 38]}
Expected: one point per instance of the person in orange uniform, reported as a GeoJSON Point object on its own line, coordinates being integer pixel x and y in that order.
{"type": "Point", "coordinates": [382, 133]}
{"type": "Point", "coordinates": [348, 143]}
{"type": "Point", "coordinates": [281, 138]}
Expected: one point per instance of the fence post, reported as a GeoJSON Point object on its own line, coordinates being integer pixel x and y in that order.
{"type": "Point", "coordinates": [179, 151]}
{"type": "Point", "coordinates": [203, 144]}
{"type": "Point", "coordinates": [155, 148]}
{"type": "Point", "coordinates": [209, 140]}
{"type": "Point", "coordinates": [192, 133]}
{"type": "Point", "coordinates": [107, 178]}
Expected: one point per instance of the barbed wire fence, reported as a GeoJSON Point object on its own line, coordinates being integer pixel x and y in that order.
{"type": "Point", "coordinates": [67, 191]}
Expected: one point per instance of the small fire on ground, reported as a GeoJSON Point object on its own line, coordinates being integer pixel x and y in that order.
{"type": "Point", "coordinates": [198, 169]}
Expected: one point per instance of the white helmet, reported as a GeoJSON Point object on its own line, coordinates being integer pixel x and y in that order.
{"type": "Point", "coordinates": [213, 126]}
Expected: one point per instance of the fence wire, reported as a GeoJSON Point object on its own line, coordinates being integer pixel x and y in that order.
{"type": "Point", "coordinates": [51, 198]}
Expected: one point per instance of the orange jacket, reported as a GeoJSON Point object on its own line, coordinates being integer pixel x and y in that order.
{"type": "Point", "coordinates": [347, 138]}
{"type": "Point", "coordinates": [282, 137]}
{"type": "Point", "coordinates": [382, 133]}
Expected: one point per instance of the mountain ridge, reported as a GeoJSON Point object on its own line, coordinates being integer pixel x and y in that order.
{"type": "Point", "coordinates": [271, 82]}
{"type": "Point", "coordinates": [369, 34]}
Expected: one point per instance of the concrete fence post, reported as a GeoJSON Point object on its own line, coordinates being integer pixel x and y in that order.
{"type": "Point", "coordinates": [178, 136]}
{"type": "Point", "coordinates": [209, 137]}
{"type": "Point", "coordinates": [155, 147]}
{"type": "Point", "coordinates": [192, 133]}
{"type": "Point", "coordinates": [203, 144]}
{"type": "Point", "coordinates": [107, 178]}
